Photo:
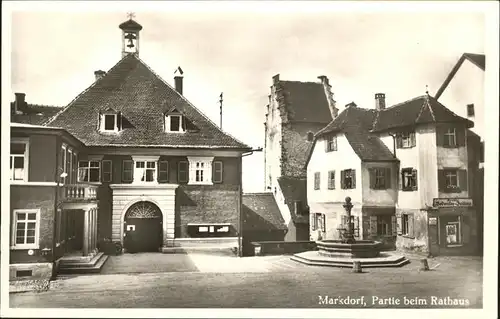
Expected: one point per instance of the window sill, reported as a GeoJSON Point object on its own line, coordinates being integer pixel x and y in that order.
{"type": "Point", "coordinates": [407, 236]}
{"type": "Point", "coordinates": [18, 182]}
{"type": "Point", "coordinates": [454, 246]}
{"type": "Point", "coordinates": [24, 247]}
{"type": "Point", "coordinates": [409, 190]}
{"type": "Point", "coordinates": [200, 183]}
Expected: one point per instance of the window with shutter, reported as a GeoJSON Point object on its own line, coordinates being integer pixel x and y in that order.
{"type": "Point", "coordinates": [415, 179]}
{"type": "Point", "coordinates": [399, 225]}
{"type": "Point", "coordinates": [163, 171]}
{"type": "Point", "coordinates": [342, 179]}
{"type": "Point", "coordinates": [441, 181]}
{"type": "Point", "coordinates": [353, 172]}
{"type": "Point", "coordinates": [373, 226]}
{"type": "Point", "coordinates": [182, 172]}
{"type": "Point", "coordinates": [411, 226]}
{"type": "Point", "coordinates": [128, 171]}
{"type": "Point", "coordinates": [316, 180]}
{"type": "Point", "coordinates": [106, 171]}
{"type": "Point", "coordinates": [399, 141]}
{"type": "Point", "coordinates": [413, 140]}
{"type": "Point", "coordinates": [394, 226]}
{"type": "Point", "coordinates": [313, 221]}
{"type": "Point", "coordinates": [217, 174]}
{"type": "Point", "coordinates": [331, 180]}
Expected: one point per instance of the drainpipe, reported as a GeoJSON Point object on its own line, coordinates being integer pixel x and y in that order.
{"type": "Point", "coordinates": [393, 143]}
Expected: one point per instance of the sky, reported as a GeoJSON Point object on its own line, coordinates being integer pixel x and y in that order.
{"type": "Point", "coordinates": [399, 53]}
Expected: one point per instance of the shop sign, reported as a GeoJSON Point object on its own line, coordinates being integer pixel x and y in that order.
{"type": "Point", "coordinates": [432, 220]}
{"type": "Point", "coordinates": [452, 202]}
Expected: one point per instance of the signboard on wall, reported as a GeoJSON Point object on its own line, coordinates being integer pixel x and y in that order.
{"type": "Point", "coordinates": [432, 220]}
{"type": "Point", "coordinates": [452, 202]}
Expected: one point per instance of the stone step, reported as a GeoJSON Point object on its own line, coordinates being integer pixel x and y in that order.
{"type": "Point", "coordinates": [96, 268]}
{"type": "Point", "coordinates": [349, 264]}
{"type": "Point", "coordinates": [81, 263]}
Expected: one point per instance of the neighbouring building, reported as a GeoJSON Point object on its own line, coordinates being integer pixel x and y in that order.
{"type": "Point", "coordinates": [463, 92]}
{"type": "Point", "coordinates": [130, 159]}
{"type": "Point", "coordinates": [406, 169]}
{"type": "Point", "coordinates": [262, 220]}
{"type": "Point", "coordinates": [296, 111]}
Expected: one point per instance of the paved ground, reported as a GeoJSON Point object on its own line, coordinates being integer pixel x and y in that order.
{"type": "Point", "coordinates": [267, 282]}
{"type": "Point", "coordinates": [148, 263]}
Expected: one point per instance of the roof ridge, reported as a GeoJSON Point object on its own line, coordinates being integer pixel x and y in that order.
{"type": "Point", "coordinates": [44, 105]}
{"type": "Point", "coordinates": [302, 82]}
{"type": "Point", "coordinates": [53, 118]}
{"type": "Point", "coordinates": [404, 102]}
{"type": "Point", "coordinates": [185, 99]}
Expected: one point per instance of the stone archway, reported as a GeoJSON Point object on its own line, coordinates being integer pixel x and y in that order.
{"type": "Point", "coordinates": [143, 227]}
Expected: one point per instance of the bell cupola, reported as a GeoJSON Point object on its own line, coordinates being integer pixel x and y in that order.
{"type": "Point", "coordinates": [130, 36]}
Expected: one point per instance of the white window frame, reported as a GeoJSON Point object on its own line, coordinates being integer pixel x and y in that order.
{"type": "Point", "coordinates": [145, 159]}
{"type": "Point", "coordinates": [449, 174]}
{"type": "Point", "coordinates": [408, 173]}
{"type": "Point", "coordinates": [406, 140]}
{"type": "Point", "coordinates": [449, 134]}
{"type": "Point", "coordinates": [331, 143]}
{"type": "Point", "coordinates": [25, 141]}
{"type": "Point", "coordinates": [36, 244]}
{"type": "Point", "coordinates": [103, 123]}
{"type": "Point", "coordinates": [317, 181]}
{"type": "Point", "coordinates": [64, 150]}
{"type": "Point", "coordinates": [194, 166]}
{"type": "Point", "coordinates": [88, 168]}
{"type": "Point", "coordinates": [168, 119]}
{"type": "Point", "coordinates": [380, 178]}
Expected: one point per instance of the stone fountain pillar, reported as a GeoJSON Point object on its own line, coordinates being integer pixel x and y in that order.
{"type": "Point", "coordinates": [349, 234]}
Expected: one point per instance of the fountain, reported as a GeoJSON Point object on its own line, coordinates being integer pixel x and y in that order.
{"type": "Point", "coordinates": [348, 251]}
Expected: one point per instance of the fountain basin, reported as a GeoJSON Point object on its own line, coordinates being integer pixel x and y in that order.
{"type": "Point", "coordinates": [358, 249]}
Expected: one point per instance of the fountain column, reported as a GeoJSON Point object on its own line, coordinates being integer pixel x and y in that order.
{"type": "Point", "coordinates": [349, 234]}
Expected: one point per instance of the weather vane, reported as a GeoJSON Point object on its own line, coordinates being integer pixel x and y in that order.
{"type": "Point", "coordinates": [130, 15]}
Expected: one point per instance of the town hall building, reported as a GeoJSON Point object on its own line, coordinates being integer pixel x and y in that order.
{"type": "Point", "coordinates": [130, 160]}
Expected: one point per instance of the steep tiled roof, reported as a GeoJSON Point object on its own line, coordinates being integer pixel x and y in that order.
{"type": "Point", "coordinates": [142, 97]}
{"type": "Point", "coordinates": [478, 60]}
{"type": "Point", "coordinates": [304, 101]}
{"type": "Point", "coordinates": [261, 212]}
{"type": "Point", "coordinates": [421, 110]}
{"type": "Point", "coordinates": [355, 123]}
{"type": "Point", "coordinates": [35, 114]}
{"type": "Point", "coordinates": [294, 189]}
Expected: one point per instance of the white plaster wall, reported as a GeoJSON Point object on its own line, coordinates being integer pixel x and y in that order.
{"type": "Point", "coordinates": [379, 197]}
{"type": "Point", "coordinates": [282, 205]}
{"type": "Point", "coordinates": [321, 161]}
{"type": "Point", "coordinates": [273, 143]}
{"type": "Point", "coordinates": [388, 141]}
{"type": "Point", "coordinates": [427, 166]}
{"type": "Point", "coordinates": [467, 87]}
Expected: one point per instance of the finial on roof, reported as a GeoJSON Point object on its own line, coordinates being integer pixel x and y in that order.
{"type": "Point", "coordinates": [426, 89]}
{"type": "Point", "coordinates": [130, 15]}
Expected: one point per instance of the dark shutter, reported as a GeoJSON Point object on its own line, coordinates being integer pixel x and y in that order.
{"type": "Point", "coordinates": [373, 225]}
{"type": "Point", "coordinates": [415, 179]}
{"type": "Point", "coordinates": [353, 172]}
{"type": "Point", "coordinates": [387, 178]}
{"type": "Point", "coordinates": [399, 141]}
{"type": "Point", "coordinates": [399, 225]}
{"type": "Point", "coordinates": [411, 232]}
{"type": "Point", "coordinates": [326, 143]}
{"type": "Point", "coordinates": [440, 135]}
{"type": "Point", "coordinates": [217, 172]}
{"type": "Point", "coordinates": [394, 226]}
{"type": "Point", "coordinates": [182, 172]}
{"type": "Point", "coordinates": [119, 121]}
{"type": "Point", "coordinates": [163, 171]}
{"type": "Point", "coordinates": [312, 221]}
{"type": "Point", "coordinates": [342, 179]}
{"type": "Point", "coordinates": [441, 181]}
{"type": "Point", "coordinates": [106, 171]}
{"type": "Point", "coordinates": [460, 135]}
{"type": "Point", "coordinates": [323, 222]}
{"type": "Point", "coordinates": [372, 177]}
{"type": "Point", "coordinates": [413, 139]}
{"type": "Point", "coordinates": [400, 179]}
{"type": "Point", "coordinates": [462, 179]}
{"type": "Point", "coordinates": [127, 171]}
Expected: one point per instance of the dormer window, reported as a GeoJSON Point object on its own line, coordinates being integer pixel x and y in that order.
{"type": "Point", "coordinates": [174, 123]}
{"type": "Point", "coordinates": [110, 122]}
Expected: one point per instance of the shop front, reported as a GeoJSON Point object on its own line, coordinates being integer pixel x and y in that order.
{"type": "Point", "coordinates": [452, 226]}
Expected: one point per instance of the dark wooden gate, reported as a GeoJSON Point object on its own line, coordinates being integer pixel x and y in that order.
{"type": "Point", "coordinates": [143, 228]}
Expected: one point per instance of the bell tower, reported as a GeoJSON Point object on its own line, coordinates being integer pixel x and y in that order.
{"type": "Point", "coordinates": [130, 36]}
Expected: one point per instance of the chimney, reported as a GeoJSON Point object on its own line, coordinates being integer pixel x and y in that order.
{"type": "Point", "coordinates": [329, 96]}
{"type": "Point", "coordinates": [276, 78]}
{"type": "Point", "coordinates": [350, 104]}
{"type": "Point", "coordinates": [178, 77]}
{"type": "Point", "coordinates": [379, 101]}
{"type": "Point", "coordinates": [99, 74]}
{"type": "Point", "coordinates": [20, 102]}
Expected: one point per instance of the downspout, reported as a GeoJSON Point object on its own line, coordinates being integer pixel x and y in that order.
{"type": "Point", "coordinates": [56, 205]}
{"type": "Point", "coordinates": [393, 143]}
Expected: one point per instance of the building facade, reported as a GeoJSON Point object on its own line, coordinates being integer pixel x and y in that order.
{"type": "Point", "coordinates": [406, 169]}
{"type": "Point", "coordinates": [296, 110]}
{"type": "Point", "coordinates": [129, 160]}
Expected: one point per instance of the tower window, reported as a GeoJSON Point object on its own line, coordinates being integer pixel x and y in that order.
{"type": "Point", "coordinates": [470, 109]}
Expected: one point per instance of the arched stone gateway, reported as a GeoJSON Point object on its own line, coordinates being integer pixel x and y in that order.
{"type": "Point", "coordinates": [143, 227]}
